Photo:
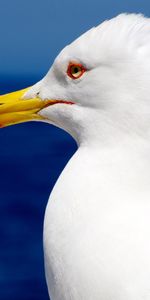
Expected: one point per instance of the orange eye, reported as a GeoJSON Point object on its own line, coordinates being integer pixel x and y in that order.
{"type": "Point", "coordinates": [75, 71]}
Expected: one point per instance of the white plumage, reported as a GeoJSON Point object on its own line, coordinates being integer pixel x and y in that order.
{"type": "Point", "coordinates": [97, 221]}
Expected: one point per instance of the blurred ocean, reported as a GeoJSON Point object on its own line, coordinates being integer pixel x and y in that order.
{"type": "Point", "coordinates": [32, 155]}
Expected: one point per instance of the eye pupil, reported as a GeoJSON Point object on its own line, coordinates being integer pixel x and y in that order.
{"type": "Point", "coordinates": [76, 70]}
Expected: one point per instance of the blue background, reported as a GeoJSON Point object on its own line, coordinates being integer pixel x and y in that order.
{"type": "Point", "coordinates": [32, 155]}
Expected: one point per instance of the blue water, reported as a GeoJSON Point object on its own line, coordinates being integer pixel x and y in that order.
{"type": "Point", "coordinates": [32, 155]}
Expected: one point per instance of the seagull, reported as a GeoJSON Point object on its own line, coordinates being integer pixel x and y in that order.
{"type": "Point", "coordinates": [97, 220]}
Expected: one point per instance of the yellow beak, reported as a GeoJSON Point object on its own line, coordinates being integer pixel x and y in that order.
{"type": "Point", "coordinates": [14, 109]}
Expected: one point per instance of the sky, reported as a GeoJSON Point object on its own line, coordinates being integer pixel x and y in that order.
{"type": "Point", "coordinates": [32, 155]}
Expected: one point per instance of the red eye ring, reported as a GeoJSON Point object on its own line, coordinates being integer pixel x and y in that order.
{"type": "Point", "coordinates": [75, 70]}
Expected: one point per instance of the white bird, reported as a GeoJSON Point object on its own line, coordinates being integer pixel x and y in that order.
{"type": "Point", "coordinates": [97, 221]}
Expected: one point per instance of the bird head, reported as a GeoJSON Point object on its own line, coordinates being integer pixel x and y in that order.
{"type": "Point", "coordinates": [97, 83]}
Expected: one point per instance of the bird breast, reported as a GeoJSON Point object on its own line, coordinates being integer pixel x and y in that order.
{"type": "Point", "coordinates": [96, 231]}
